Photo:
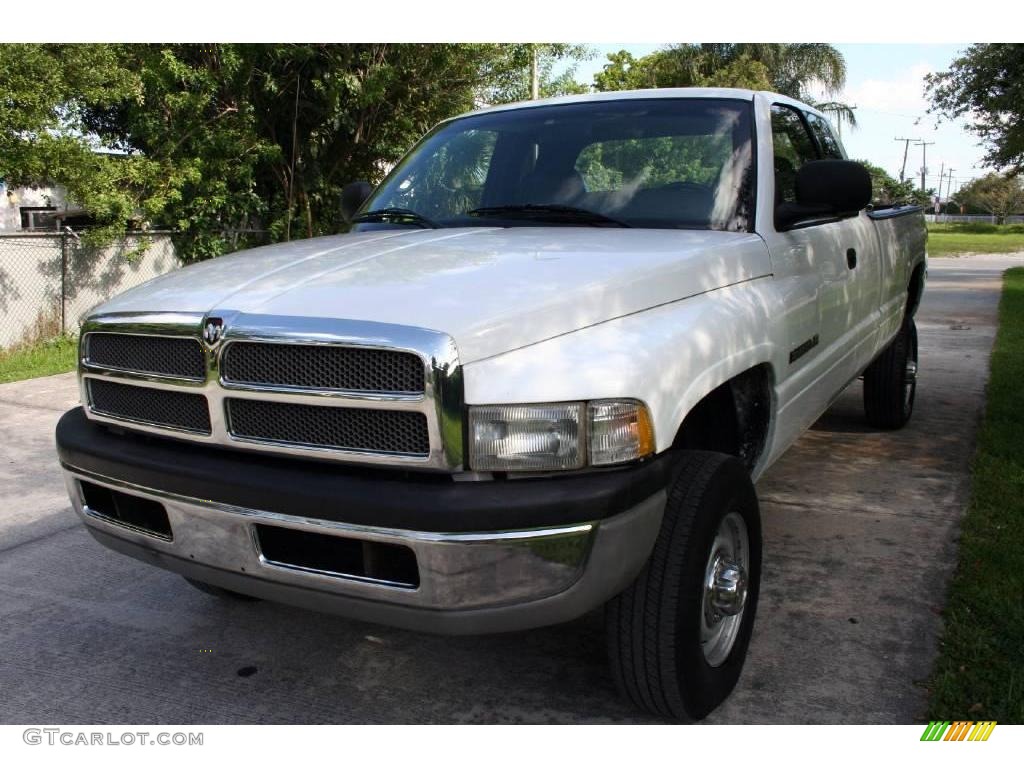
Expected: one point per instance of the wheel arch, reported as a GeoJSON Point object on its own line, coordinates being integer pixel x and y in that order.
{"type": "Point", "coordinates": [915, 289]}
{"type": "Point", "coordinates": [730, 410]}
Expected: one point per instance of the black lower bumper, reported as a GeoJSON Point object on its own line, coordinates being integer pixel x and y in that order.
{"type": "Point", "coordinates": [354, 495]}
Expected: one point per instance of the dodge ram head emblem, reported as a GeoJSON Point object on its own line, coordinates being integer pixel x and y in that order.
{"type": "Point", "coordinates": [214, 330]}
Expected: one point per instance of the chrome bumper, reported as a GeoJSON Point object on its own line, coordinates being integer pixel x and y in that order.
{"type": "Point", "coordinates": [468, 582]}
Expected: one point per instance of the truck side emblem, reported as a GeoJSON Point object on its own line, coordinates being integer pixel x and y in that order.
{"type": "Point", "coordinates": [214, 330]}
{"type": "Point", "coordinates": [803, 349]}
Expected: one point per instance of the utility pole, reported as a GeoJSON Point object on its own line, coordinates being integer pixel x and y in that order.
{"type": "Point", "coordinates": [949, 186]}
{"type": "Point", "coordinates": [534, 73]}
{"type": "Point", "coordinates": [924, 159]}
{"type": "Point", "coordinates": [906, 147]}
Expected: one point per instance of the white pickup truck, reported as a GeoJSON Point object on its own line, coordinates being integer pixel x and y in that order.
{"type": "Point", "coordinates": [539, 377]}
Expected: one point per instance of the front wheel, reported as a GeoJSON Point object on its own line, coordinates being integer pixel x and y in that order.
{"type": "Point", "coordinates": [678, 636]}
{"type": "Point", "coordinates": [890, 382]}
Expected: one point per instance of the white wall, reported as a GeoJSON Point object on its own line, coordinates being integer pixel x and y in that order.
{"type": "Point", "coordinates": [13, 198]}
{"type": "Point", "coordinates": [30, 280]}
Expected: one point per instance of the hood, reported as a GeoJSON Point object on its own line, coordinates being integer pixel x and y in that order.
{"type": "Point", "coordinates": [491, 289]}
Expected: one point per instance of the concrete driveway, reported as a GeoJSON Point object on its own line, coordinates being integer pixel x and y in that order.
{"type": "Point", "coordinates": [860, 539]}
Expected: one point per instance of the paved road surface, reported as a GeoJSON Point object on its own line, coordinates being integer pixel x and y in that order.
{"type": "Point", "coordinates": [860, 533]}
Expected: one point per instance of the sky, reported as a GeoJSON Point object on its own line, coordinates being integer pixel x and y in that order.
{"type": "Point", "coordinates": [885, 81]}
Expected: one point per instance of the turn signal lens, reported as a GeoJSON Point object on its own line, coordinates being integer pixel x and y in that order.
{"type": "Point", "coordinates": [620, 431]}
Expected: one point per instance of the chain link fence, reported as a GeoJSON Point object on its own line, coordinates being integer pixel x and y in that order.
{"type": "Point", "coordinates": [970, 218]}
{"type": "Point", "coordinates": [49, 281]}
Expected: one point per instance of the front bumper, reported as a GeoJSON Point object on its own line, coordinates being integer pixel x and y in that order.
{"type": "Point", "coordinates": [495, 577]}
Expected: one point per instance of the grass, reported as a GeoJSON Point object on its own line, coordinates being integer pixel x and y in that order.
{"type": "Point", "coordinates": [980, 671]}
{"type": "Point", "coordinates": [44, 358]}
{"type": "Point", "coordinates": [953, 239]}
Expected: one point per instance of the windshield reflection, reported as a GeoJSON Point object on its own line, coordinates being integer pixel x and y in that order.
{"type": "Point", "coordinates": [649, 163]}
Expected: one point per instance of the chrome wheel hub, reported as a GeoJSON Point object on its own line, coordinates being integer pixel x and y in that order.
{"type": "Point", "coordinates": [725, 589]}
{"type": "Point", "coordinates": [910, 375]}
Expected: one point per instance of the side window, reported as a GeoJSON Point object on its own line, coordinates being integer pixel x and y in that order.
{"type": "Point", "coordinates": [793, 146]}
{"type": "Point", "coordinates": [830, 146]}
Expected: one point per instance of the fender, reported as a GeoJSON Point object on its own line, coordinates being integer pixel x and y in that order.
{"type": "Point", "coordinates": [669, 357]}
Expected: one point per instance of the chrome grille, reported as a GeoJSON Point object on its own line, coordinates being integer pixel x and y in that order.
{"type": "Point", "coordinates": [160, 355]}
{"type": "Point", "coordinates": [350, 429]}
{"type": "Point", "coordinates": [349, 390]}
{"type": "Point", "coordinates": [306, 366]}
{"type": "Point", "coordinates": [166, 408]}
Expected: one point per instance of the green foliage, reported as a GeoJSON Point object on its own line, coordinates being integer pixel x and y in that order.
{"type": "Point", "coordinates": [43, 358]}
{"type": "Point", "coordinates": [46, 93]}
{"type": "Point", "coordinates": [269, 134]}
{"type": "Point", "coordinates": [980, 670]}
{"type": "Point", "coordinates": [452, 178]}
{"type": "Point", "coordinates": [209, 140]}
{"type": "Point", "coordinates": [508, 69]}
{"type": "Point", "coordinates": [622, 73]}
{"type": "Point", "coordinates": [986, 85]}
{"type": "Point", "coordinates": [655, 161]}
{"type": "Point", "coordinates": [978, 228]}
{"type": "Point", "coordinates": [974, 237]}
{"type": "Point", "coordinates": [997, 194]}
{"type": "Point", "coordinates": [885, 190]}
{"type": "Point", "coordinates": [787, 68]}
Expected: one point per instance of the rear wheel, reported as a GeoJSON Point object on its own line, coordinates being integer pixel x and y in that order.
{"type": "Point", "coordinates": [678, 636]}
{"type": "Point", "coordinates": [890, 382]}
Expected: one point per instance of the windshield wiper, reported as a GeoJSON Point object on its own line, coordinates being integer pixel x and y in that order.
{"type": "Point", "coordinates": [566, 213]}
{"type": "Point", "coordinates": [397, 214]}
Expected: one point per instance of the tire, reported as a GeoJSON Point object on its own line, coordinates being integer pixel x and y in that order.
{"type": "Point", "coordinates": [224, 594]}
{"type": "Point", "coordinates": [890, 382]}
{"type": "Point", "coordinates": [658, 657]}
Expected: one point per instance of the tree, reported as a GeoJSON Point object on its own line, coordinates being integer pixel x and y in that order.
{"type": "Point", "coordinates": [46, 92]}
{"type": "Point", "coordinates": [986, 84]}
{"type": "Point", "coordinates": [885, 190]}
{"type": "Point", "coordinates": [999, 194]}
{"type": "Point", "coordinates": [208, 140]}
{"type": "Point", "coordinates": [788, 68]}
{"type": "Point", "coordinates": [508, 72]}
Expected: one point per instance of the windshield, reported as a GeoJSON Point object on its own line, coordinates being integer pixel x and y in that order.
{"type": "Point", "coordinates": [655, 163]}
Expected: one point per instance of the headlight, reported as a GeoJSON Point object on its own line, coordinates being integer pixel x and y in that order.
{"type": "Point", "coordinates": [553, 436]}
{"type": "Point", "coordinates": [525, 437]}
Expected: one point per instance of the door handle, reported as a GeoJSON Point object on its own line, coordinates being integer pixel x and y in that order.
{"type": "Point", "coordinates": [851, 258]}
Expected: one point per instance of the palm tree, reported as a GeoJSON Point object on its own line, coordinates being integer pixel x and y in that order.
{"type": "Point", "coordinates": [792, 69]}
{"type": "Point", "coordinates": [838, 111]}
{"type": "Point", "coordinates": [796, 67]}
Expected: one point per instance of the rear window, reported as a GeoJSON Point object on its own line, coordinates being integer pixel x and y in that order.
{"type": "Point", "coordinates": [613, 165]}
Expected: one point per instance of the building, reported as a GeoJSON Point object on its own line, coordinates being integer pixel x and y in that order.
{"type": "Point", "coordinates": [37, 209]}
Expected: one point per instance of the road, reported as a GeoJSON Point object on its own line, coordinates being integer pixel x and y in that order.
{"type": "Point", "coordinates": [860, 540]}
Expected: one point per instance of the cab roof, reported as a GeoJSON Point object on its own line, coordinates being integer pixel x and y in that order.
{"type": "Point", "coordinates": [743, 94]}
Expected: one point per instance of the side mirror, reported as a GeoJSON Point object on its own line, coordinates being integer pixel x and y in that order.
{"type": "Point", "coordinates": [826, 188]}
{"type": "Point", "coordinates": [352, 198]}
